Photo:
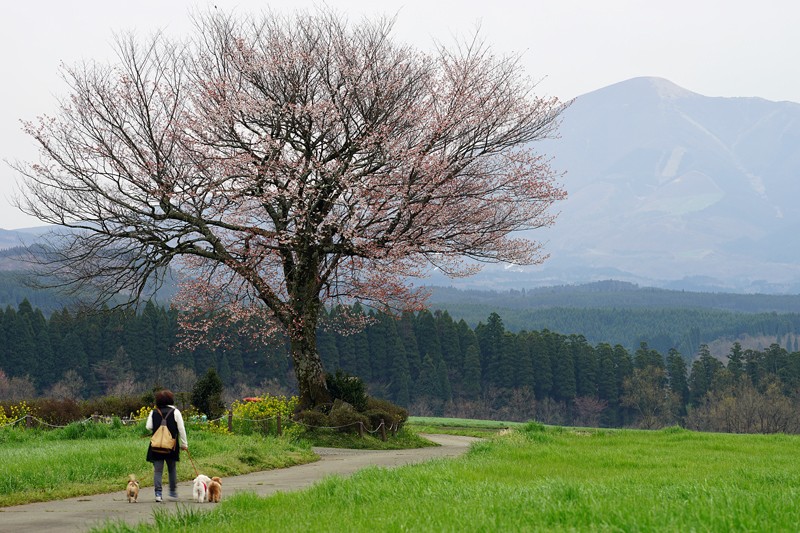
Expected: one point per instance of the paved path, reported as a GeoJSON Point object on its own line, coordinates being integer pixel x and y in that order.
{"type": "Point", "coordinates": [80, 514]}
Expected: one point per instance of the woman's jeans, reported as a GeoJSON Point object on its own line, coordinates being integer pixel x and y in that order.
{"type": "Point", "coordinates": [158, 473]}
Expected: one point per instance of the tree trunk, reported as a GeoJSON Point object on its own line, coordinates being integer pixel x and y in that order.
{"type": "Point", "coordinates": [308, 369]}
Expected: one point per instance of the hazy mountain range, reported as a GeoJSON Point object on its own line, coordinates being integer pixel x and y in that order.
{"type": "Point", "coordinates": [667, 188]}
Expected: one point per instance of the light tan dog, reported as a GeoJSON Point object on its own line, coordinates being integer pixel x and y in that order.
{"type": "Point", "coordinates": [132, 491]}
{"type": "Point", "coordinates": [215, 490]}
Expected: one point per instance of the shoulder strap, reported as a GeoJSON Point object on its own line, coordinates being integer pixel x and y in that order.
{"type": "Point", "coordinates": [164, 418]}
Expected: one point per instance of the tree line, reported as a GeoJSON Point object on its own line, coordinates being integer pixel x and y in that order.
{"type": "Point", "coordinates": [662, 329]}
{"type": "Point", "coordinates": [425, 361]}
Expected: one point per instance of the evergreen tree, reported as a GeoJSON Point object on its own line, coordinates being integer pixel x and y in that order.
{"type": "Point", "coordinates": [564, 385]}
{"type": "Point", "coordinates": [623, 364]}
{"type": "Point", "coordinates": [207, 395]}
{"type": "Point", "coordinates": [400, 384]}
{"type": "Point", "coordinates": [776, 362]}
{"type": "Point", "coordinates": [446, 393]}
{"type": "Point", "coordinates": [224, 367]}
{"type": "Point", "coordinates": [736, 361]}
{"type": "Point", "coordinates": [347, 354]}
{"type": "Point", "coordinates": [48, 363]}
{"type": "Point", "coordinates": [21, 354]}
{"type": "Point", "coordinates": [542, 364]}
{"type": "Point", "coordinates": [678, 378]}
{"type": "Point", "coordinates": [523, 363]}
{"type": "Point", "coordinates": [427, 335]}
{"type": "Point", "coordinates": [490, 337]}
{"type": "Point", "coordinates": [704, 369]}
{"type": "Point", "coordinates": [607, 384]}
{"type": "Point", "coordinates": [645, 357]}
{"type": "Point", "coordinates": [428, 384]}
{"type": "Point", "coordinates": [73, 355]}
{"type": "Point", "coordinates": [472, 373]}
{"type": "Point", "coordinates": [406, 328]}
{"type": "Point", "coordinates": [447, 332]}
{"type": "Point", "coordinates": [363, 368]}
{"type": "Point", "coordinates": [753, 365]}
{"type": "Point", "coordinates": [505, 357]}
{"type": "Point", "coordinates": [379, 339]}
{"type": "Point", "coordinates": [328, 350]}
{"type": "Point", "coordinates": [585, 366]}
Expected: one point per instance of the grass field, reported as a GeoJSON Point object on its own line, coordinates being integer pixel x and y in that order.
{"type": "Point", "coordinates": [85, 459]}
{"type": "Point", "coordinates": [459, 426]}
{"type": "Point", "coordinates": [526, 478]}
{"type": "Point", "coordinates": [82, 459]}
{"type": "Point", "coordinates": [544, 479]}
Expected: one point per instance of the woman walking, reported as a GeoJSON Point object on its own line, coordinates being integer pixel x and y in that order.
{"type": "Point", "coordinates": [166, 410]}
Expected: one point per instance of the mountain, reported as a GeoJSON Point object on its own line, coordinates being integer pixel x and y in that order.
{"type": "Point", "coordinates": [671, 188]}
{"type": "Point", "coordinates": [21, 237]}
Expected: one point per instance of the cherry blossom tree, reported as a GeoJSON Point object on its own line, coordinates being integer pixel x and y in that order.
{"type": "Point", "coordinates": [288, 161]}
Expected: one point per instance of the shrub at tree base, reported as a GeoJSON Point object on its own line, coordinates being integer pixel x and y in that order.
{"type": "Point", "coordinates": [383, 410]}
{"type": "Point", "coordinates": [350, 389]}
{"type": "Point", "coordinates": [313, 419]}
{"type": "Point", "coordinates": [344, 417]}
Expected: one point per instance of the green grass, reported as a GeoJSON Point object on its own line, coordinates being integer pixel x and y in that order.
{"type": "Point", "coordinates": [95, 458]}
{"type": "Point", "coordinates": [458, 426]}
{"type": "Point", "coordinates": [540, 478]}
{"type": "Point", "coordinates": [403, 440]}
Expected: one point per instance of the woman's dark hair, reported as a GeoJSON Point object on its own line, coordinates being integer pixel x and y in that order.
{"type": "Point", "coordinates": [164, 398]}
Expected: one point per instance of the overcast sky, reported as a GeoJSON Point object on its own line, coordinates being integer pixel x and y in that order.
{"type": "Point", "coordinates": [712, 47]}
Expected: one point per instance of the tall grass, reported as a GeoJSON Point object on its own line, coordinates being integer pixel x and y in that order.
{"type": "Point", "coordinates": [95, 458]}
{"type": "Point", "coordinates": [545, 479]}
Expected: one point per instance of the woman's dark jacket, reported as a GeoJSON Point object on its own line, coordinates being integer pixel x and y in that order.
{"type": "Point", "coordinates": [175, 454]}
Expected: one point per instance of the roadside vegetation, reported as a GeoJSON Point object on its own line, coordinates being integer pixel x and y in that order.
{"type": "Point", "coordinates": [538, 478]}
{"type": "Point", "coordinates": [94, 458]}
{"type": "Point", "coordinates": [54, 462]}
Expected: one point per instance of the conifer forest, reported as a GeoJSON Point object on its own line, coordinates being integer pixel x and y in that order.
{"type": "Point", "coordinates": [427, 362]}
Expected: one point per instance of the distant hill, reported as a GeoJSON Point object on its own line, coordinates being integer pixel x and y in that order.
{"type": "Point", "coordinates": [672, 189]}
{"type": "Point", "coordinates": [611, 294]}
{"type": "Point", "coordinates": [624, 313]}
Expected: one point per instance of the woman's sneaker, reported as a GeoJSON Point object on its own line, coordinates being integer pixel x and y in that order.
{"type": "Point", "coordinates": [158, 498]}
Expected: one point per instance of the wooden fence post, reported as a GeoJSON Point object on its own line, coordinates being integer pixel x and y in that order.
{"type": "Point", "coordinates": [360, 429]}
{"type": "Point", "coordinates": [383, 430]}
{"type": "Point", "coordinates": [230, 421]}
{"type": "Point", "coordinates": [28, 421]}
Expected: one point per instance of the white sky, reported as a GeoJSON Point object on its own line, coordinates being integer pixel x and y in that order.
{"type": "Point", "coordinates": [713, 47]}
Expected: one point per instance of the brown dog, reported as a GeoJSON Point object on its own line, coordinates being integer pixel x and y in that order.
{"type": "Point", "coordinates": [132, 491]}
{"type": "Point", "coordinates": [215, 490]}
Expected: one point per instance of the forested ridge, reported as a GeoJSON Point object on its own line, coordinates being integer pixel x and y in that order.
{"type": "Point", "coordinates": [617, 295]}
{"type": "Point", "coordinates": [623, 313]}
{"type": "Point", "coordinates": [427, 362]}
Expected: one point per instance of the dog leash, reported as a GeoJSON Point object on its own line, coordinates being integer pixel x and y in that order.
{"type": "Point", "coordinates": [191, 461]}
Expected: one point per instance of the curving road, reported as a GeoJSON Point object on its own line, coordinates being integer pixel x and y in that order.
{"type": "Point", "coordinates": [80, 514]}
